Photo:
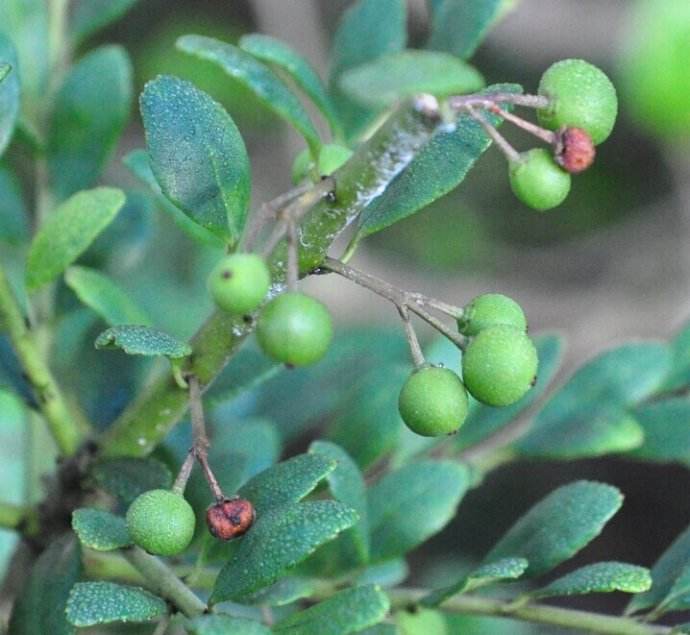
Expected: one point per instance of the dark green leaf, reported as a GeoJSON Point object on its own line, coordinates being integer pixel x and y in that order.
{"type": "Point", "coordinates": [280, 539]}
{"type": "Point", "coordinates": [225, 625]}
{"type": "Point", "coordinates": [558, 526]}
{"type": "Point", "coordinates": [100, 530]}
{"type": "Point", "coordinates": [126, 478]}
{"type": "Point", "coordinates": [90, 16]}
{"type": "Point", "coordinates": [9, 91]}
{"type": "Point", "coordinates": [68, 232]}
{"type": "Point", "coordinates": [92, 603]}
{"type": "Point", "coordinates": [388, 79]}
{"type": "Point", "coordinates": [388, 573]}
{"type": "Point", "coordinates": [408, 506]}
{"type": "Point", "coordinates": [142, 340]}
{"type": "Point", "coordinates": [40, 607]}
{"type": "Point", "coordinates": [665, 425]}
{"type": "Point", "coordinates": [380, 629]}
{"type": "Point", "coordinates": [679, 375]}
{"type": "Point", "coordinates": [346, 612]}
{"type": "Point", "coordinates": [286, 591]}
{"type": "Point", "coordinates": [257, 77]}
{"type": "Point", "coordinates": [273, 51]}
{"type": "Point", "coordinates": [678, 598]}
{"type": "Point", "coordinates": [99, 292]}
{"type": "Point", "coordinates": [90, 113]}
{"type": "Point", "coordinates": [13, 217]}
{"type": "Point", "coordinates": [601, 577]}
{"type": "Point", "coordinates": [197, 155]}
{"type": "Point", "coordinates": [439, 167]}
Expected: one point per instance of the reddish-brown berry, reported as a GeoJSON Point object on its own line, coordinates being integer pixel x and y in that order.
{"type": "Point", "coordinates": [575, 150]}
{"type": "Point", "coordinates": [230, 518]}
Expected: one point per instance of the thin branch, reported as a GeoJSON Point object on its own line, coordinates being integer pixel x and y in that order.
{"type": "Point", "coordinates": [415, 348]}
{"type": "Point", "coordinates": [292, 255]}
{"type": "Point", "coordinates": [549, 136]}
{"type": "Point", "coordinates": [462, 102]}
{"type": "Point", "coordinates": [511, 153]}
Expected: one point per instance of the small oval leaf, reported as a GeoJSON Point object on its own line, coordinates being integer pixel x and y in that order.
{"type": "Point", "coordinates": [100, 530]}
{"type": "Point", "coordinates": [143, 340]}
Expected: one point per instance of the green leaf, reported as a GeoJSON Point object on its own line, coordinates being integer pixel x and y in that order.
{"type": "Point", "coordinates": [13, 215]}
{"type": "Point", "coordinates": [40, 606]}
{"type": "Point", "coordinates": [5, 70]}
{"type": "Point", "coordinates": [381, 629]}
{"type": "Point", "coordinates": [197, 155]}
{"type": "Point", "coordinates": [679, 375]}
{"type": "Point", "coordinates": [92, 603]}
{"type": "Point", "coordinates": [422, 622]}
{"type": "Point", "coordinates": [126, 478]}
{"type": "Point", "coordinates": [101, 294]}
{"type": "Point", "coordinates": [224, 625]}
{"type": "Point", "coordinates": [391, 78]}
{"type": "Point", "coordinates": [268, 88]}
{"type": "Point", "coordinates": [388, 573]}
{"type": "Point", "coordinates": [589, 415]}
{"type": "Point", "coordinates": [439, 167]}
{"type": "Point", "coordinates": [485, 575]}
{"type": "Point", "coordinates": [558, 526]}
{"type": "Point", "coordinates": [408, 506]}
{"type": "Point", "coordinates": [678, 598]}
{"type": "Point", "coordinates": [9, 91]}
{"type": "Point", "coordinates": [601, 577]}
{"type": "Point", "coordinates": [143, 340]}
{"type": "Point", "coordinates": [69, 231]}
{"type": "Point", "coordinates": [286, 591]}
{"type": "Point", "coordinates": [90, 113]}
{"type": "Point", "coordinates": [277, 53]}
{"type": "Point", "coordinates": [100, 530]}
{"type": "Point", "coordinates": [280, 539]}
{"type": "Point", "coordinates": [286, 482]}
{"type": "Point", "coordinates": [348, 611]}
{"type": "Point", "coordinates": [90, 16]}
{"type": "Point", "coordinates": [665, 425]}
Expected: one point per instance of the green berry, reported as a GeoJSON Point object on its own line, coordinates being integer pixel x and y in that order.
{"type": "Point", "coordinates": [499, 365]}
{"type": "Point", "coordinates": [295, 329]}
{"type": "Point", "coordinates": [239, 283]}
{"type": "Point", "coordinates": [537, 181]}
{"type": "Point", "coordinates": [491, 309]}
{"type": "Point", "coordinates": [161, 522]}
{"type": "Point", "coordinates": [581, 96]}
{"type": "Point", "coordinates": [433, 401]}
{"type": "Point", "coordinates": [331, 157]}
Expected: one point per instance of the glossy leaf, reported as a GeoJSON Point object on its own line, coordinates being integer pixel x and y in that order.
{"type": "Point", "coordinates": [559, 525]}
{"type": "Point", "coordinates": [348, 611]}
{"type": "Point", "coordinates": [100, 293]}
{"type": "Point", "coordinates": [225, 624]}
{"type": "Point", "coordinates": [90, 16]}
{"type": "Point", "coordinates": [280, 539]}
{"type": "Point", "coordinates": [126, 478]}
{"type": "Point", "coordinates": [270, 89]}
{"type": "Point", "coordinates": [9, 91]}
{"type": "Point", "coordinates": [142, 340]}
{"type": "Point", "coordinates": [92, 603]}
{"type": "Point", "coordinates": [100, 530]}
{"type": "Point", "coordinates": [69, 231]}
{"type": "Point", "coordinates": [601, 577]}
{"type": "Point", "coordinates": [391, 78]}
{"type": "Point", "coordinates": [90, 113]}
{"type": "Point", "coordinates": [197, 155]}
{"type": "Point", "coordinates": [411, 504]}
{"type": "Point", "coordinates": [665, 424]}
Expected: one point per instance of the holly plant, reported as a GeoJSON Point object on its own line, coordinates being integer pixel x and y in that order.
{"type": "Point", "coordinates": [253, 467]}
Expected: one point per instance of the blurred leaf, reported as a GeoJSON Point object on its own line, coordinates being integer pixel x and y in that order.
{"type": "Point", "coordinates": [197, 155]}
{"type": "Point", "coordinates": [388, 573]}
{"type": "Point", "coordinates": [601, 577]}
{"type": "Point", "coordinates": [259, 78]}
{"type": "Point", "coordinates": [558, 526]}
{"type": "Point", "coordinates": [285, 591]}
{"type": "Point", "coordinates": [13, 219]}
{"type": "Point", "coordinates": [348, 611]}
{"type": "Point", "coordinates": [5, 70]}
{"type": "Point", "coordinates": [276, 52]}
{"type": "Point", "coordinates": [478, 625]}
{"type": "Point", "coordinates": [99, 292]}
{"type": "Point", "coordinates": [40, 607]}
{"type": "Point", "coordinates": [388, 79]}
{"type": "Point", "coordinates": [279, 539]}
{"type": "Point", "coordinates": [100, 530]}
{"type": "Point", "coordinates": [92, 603]}
{"type": "Point", "coordinates": [678, 598]}
{"type": "Point", "coordinates": [126, 478]}
{"type": "Point", "coordinates": [90, 16]}
{"type": "Point", "coordinates": [9, 91]}
{"type": "Point", "coordinates": [411, 504]}
{"type": "Point", "coordinates": [69, 231]}
{"type": "Point", "coordinates": [421, 622]}
{"type": "Point", "coordinates": [89, 115]}
{"type": "Point", "coordinates": [142, 340]}
{"type": "Point", "coordinates": [439, 167]}
{"type": "Point", "coordinates": [679, 375]}
{"type": "Point", "coordinates": [665, 425]}
{"type": "Point", "coordinates": [225, 624]}
{"type": "Point", "coordinates": [381, 629]}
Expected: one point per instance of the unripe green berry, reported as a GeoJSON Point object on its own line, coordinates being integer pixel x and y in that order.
{"type": "Point", "coordinates": [161, 522]}
{"type": "Point", "coordinates": [491, 309]}
{"type": "Point", "coordinates": [433, 401]}
{"type": "Point", "coordinates": [239, 283]}
{"type": "Point", "coordinates": [538, 181]}
{"type": "Point", "coordinates": [295, 329]}
{"type": "Point", "coordinates": [581, 96]}
{"type": "Point", "coordinates": [499, 365]}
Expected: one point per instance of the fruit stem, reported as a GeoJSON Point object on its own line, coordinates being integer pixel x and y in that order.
{"type": "Point", "coordinates": [415, 348]}
{"type": "Point", "coordinates": [462, 102]}
{"type": "Point", "coordinates": [548, 136]}
{"type": "Point", "coordinates": [511, 153]}
{"type": "Point", "coordinates": [184, 473]}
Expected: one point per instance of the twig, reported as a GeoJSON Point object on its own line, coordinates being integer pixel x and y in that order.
{"type": "Point", "coordinates": [541, 133]}
{"type": "Point", "coordinates": [292, 255]}
{"type": "Point", "coordinates": [511, 153]}
{"type": "Point", "coordinates": [415, 348]}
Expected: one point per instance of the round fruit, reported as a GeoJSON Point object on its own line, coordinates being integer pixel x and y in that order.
{"type": "Point", "coordinates": [575, 151]}
{"type": "Point", "coordinates": [433, 401]}
{"type": "Point", "coordinates": [230, 518]}
{"type": "Point", "coordinates": [499, 365]}
{"type": "Point", "coordinates": [161, 522]}
{"type": "Point", "coordinates": [537, 181]}
{"type": "Point", "coordinates": [295, 329]}
{"type": "Point", "coordinates": [491, 309]}
{"type": "Point", "coordinates": [581, 96]}
{"type": "Point", "coordinates": [239, 283]}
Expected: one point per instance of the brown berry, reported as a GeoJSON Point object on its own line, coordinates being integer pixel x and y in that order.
{"type": "Point", "coordinates": [574, 150]}
{"type": "Point", "coordinates": [230, 518]}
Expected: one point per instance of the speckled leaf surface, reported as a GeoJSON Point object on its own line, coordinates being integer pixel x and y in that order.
{"type": "Point", "coordinates": [100, 530]}
{"type": "Point", "coordinates": [9, 91]}
{"type": "Point", "coordinates": [90, 16]}
{"type": "Point", "coordinates": [665, 424]}
{"type": "Point", "coordinates": [126, 477]}
{"type": "Point", "coordinates": [142, 340]}
{"type": "Point", "coordinates": [559, 525]}
{"type": "Point", "coordinates": [285, 591]}
{"type": "Point", "coordinates": [601, 577]}
{"type": "Point", "coordinates": [225, 625]}
{"type": "Point", "coordinates": [279, 539]}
